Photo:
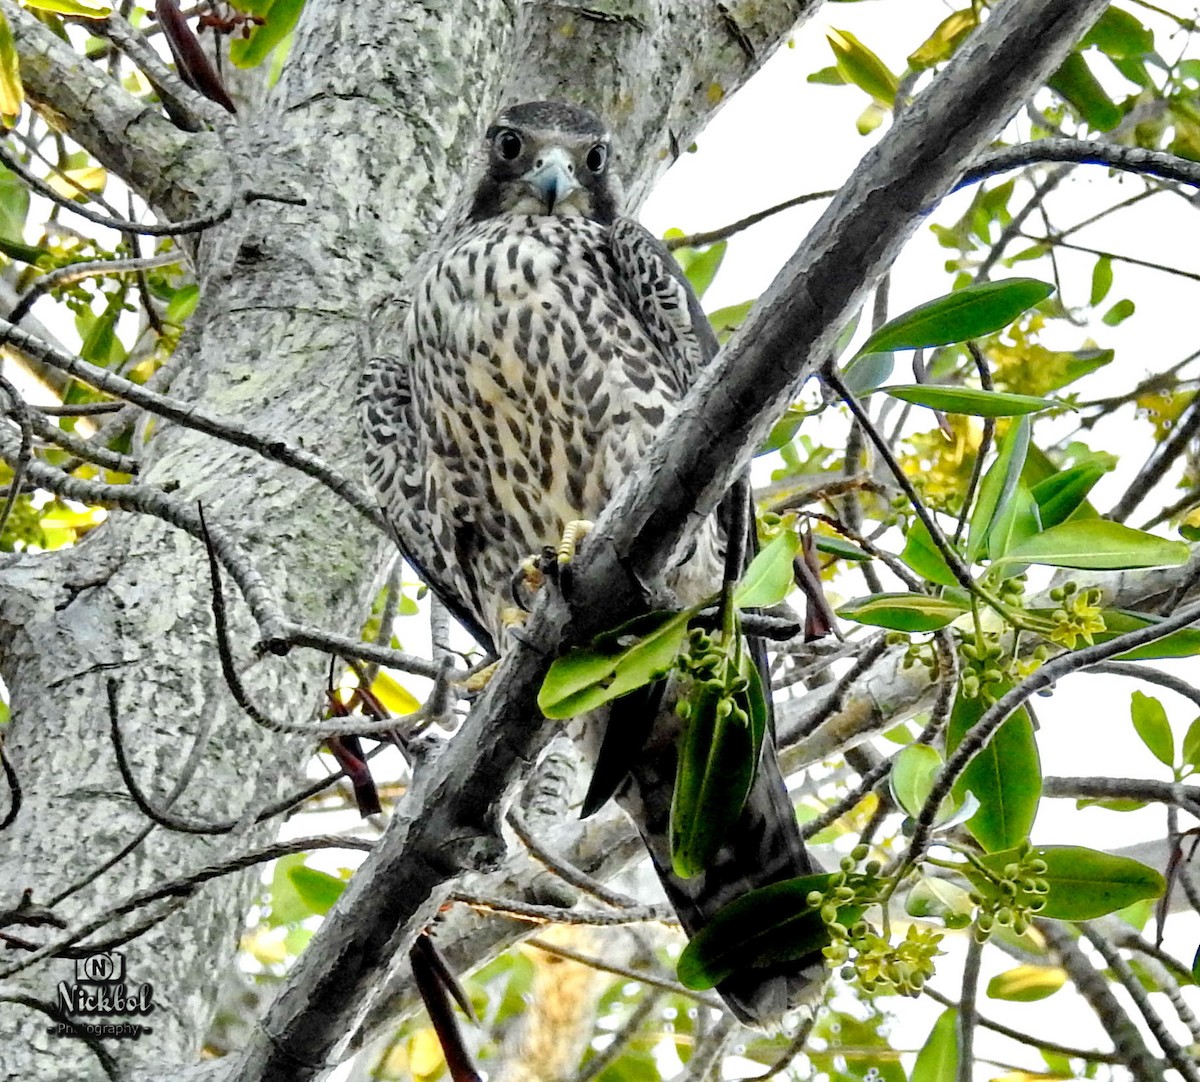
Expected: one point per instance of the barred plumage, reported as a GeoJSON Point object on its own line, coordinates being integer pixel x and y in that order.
{"type": "Point", "coordinates": [544, 350]}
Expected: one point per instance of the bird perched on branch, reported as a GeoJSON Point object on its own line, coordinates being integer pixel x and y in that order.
{"type": "Point", "coordinates": [545, 348]}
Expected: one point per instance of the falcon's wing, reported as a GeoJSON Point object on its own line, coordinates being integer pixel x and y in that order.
{"type": "Point", "coordinates": [663, 299]}
{"type": "Point", "coordinates": [385, 404]}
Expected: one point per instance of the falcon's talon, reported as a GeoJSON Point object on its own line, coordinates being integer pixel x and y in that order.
{"type": "Point", "coordinates": [574, 532]}
{"type": "Point", "coordinates": [477, 681]}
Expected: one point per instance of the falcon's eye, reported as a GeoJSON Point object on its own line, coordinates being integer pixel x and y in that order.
{"type": "Point", "coordinates": [508, 144]}
{"type": "Point", "coordinates": [597, 158]}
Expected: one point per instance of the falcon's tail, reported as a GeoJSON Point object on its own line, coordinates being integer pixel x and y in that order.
{"type": "Point", "coordinates": [764, 847]}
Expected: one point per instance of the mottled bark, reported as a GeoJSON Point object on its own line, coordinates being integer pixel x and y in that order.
{"type": "Point", "coordinates": [373, 122]}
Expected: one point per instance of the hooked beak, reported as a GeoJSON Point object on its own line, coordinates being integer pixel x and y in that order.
{"type": "Point", "coordinates": [553, 177]}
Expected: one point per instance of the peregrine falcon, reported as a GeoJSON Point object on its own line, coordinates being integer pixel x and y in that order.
{"type": "Point", "coordinates": [546, 346]}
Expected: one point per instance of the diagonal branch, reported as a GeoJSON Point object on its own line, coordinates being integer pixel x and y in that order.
{"type": "Point", "coordinates": [450, 820]}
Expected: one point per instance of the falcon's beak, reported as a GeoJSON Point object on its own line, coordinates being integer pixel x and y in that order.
{"type": "Point", "coordinates": [553, 177]}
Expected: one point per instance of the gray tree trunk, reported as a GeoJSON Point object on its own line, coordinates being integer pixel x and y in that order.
{"type": "Point", "coordinates": [373, 122]}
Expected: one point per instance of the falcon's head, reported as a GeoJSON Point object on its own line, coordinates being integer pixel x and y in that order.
{"type": "Point", "coordinates": [546, 157]}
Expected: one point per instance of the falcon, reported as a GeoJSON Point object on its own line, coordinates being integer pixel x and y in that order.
{"type": "Point", "coordinates": [546, 346]}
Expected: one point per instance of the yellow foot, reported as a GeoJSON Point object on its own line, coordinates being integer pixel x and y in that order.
{"type": "Point", "coordinates": [477, 681]}
{"type": "Point", "coordinates": [574, 532]}
{"type": "Point", "coordinates": [510, 617]}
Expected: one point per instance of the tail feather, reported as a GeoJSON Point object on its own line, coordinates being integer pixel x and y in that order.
{"type": "Point", "coordinates": [764, 847]}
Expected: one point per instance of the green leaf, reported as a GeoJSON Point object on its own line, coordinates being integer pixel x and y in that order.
{"type": "Point", "coordinates": [71, 7]}
{"type": "Point", "coordinates": [1059, 496]}
{"type": "Point", "coordinates": [724, 321]}
{"type": "Point", "coordinates": [840, 548]}
{"type": "Point", "coordinates": [22, 253]}
{"type": "Point", "coordinates": [1076, 84]}
{"type": "Point", "coordinates": [12, 94]}
{"type": "Point", "coordinates": [903, 612]}
{"type": "Point", "coordinates": [1150, 721]}
{"type": "Point", "coordinates": [966, 313]}
{"type": "Point", "coordinates": [718, 758]}
{"type": "Point", "coordinates": [783, 431]}
{"type": "Point", "coordinates": [1027, 984]}
{"type": "Point", "coordinates": [829, 76]}
{"type": "Point", "coordinates": [1102, 279]}
{"type": "Point", "coordinates": [938, 1059]}
{"type": "Point", "coordinates": [1119, 312]}
{"type": "Point", "coordinates": [867, 371]}
{"type": "Point", "coordinates": [914, 770]}
{"type": "Point", "coordinates": [924, 557]}
{"type": "Point", "coordinates": [182, 304]}
{"type": "Point", "coordinates": [1098, 545]}
{"type": "Point", "coordinates": [1084, 883]}
{"type": "Point", "coordinates": [945, 39]}
{"type": "Point", "coordinates": [969, 400]}
{"type": "Point", "coordinates": [281, 18]}
{"type": "Point", "coordinates": [1182, 643]}
{"type": "Point", "coordinates": [316, 889]}
{"type": "Point", "coordinates": [1191, 745]}
{"type": "Point", "coordinates": [769, 578]}
{"type": "Point", "coordinates": [700, 265]}
{"type": "Point", "coordinates": [939, 898]}
{"type": "Point", "coordinates": [860, 66]}
{"type": "Point", "coordinates": [764, 926]}
{"type": "Point", "coordinates": [1005, 776]}
{"type": "Point", "coordinates": [1119, 35]}
{"type": "Point", "coordinates": [997, 487]}
{"type": "Point", "coordinates": [585, 679]}
{"type": "Point", "coordinates": [1016, 521]}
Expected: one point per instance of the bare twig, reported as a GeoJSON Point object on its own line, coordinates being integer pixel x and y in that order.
{"type": "Point", "coordinates": [712, 236]}
{"type": "Point", "coordinates": [191, 416]}
{"type": "Point", "coordinates": [167, 229]}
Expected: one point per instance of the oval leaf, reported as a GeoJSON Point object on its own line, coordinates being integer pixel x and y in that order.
{"type": "Point", "coordinates": [969, 400]}
{"type": "Point", "coordinates": [903, 612]}
{"type": "Point", "coordinates": [955, 317]}
{"type": "Point", "coordinates": [938, 1059]}
{"type": "Point", "coordinates": [997, 487]}
{"type": "Point", "coordinates": [771, 924]}
{"type": "Point", "coordinates": [587, 678]}
{"type": "Point", "coordinates": [1098, 545]}
{"type": "Point", "coordinates": [1150, 721]}
{"type": "Point", "coordinates": [1060, 495]}
{"type": "Point", "coordinates": [769, 578]}
{"type": "Point", "coordinates": [913, 772]}
{"type": "Point", "coordinates": [940, 898]}
{"type": "Point", "coordinates": [1005, 776]}
{"type": "Point", "coordinates": [1084, 884]}
{"type": "Point", "coordinates": [1027, 984]}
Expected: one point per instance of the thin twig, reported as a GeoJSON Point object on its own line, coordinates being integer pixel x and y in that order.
{"type": "Point", "coordinates": [19, 411]}
{"type": "Point", "coordinates": [1126, 158]}
{"type": "Point", "coordinates": [555, 914]}
{"type": "Point", "coordinates": [712, 236]}
{"type": "Point", "coordinates": [1086, 1054]}
{"type": "Point", "coordinates": [566, 871]}
{"type": "Point", "coordinates": [191, 416]}
{"type": "Point", "coordinates": [183, 886]}
{"type": "Point", "coordinates": [1175, 1053]}
{"type": "Point", "coordinates": [123, 225]}
{"type": "Point", "coordinates": [603, 966]}
{"type": "Point", "coordinates": [74, 272]}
